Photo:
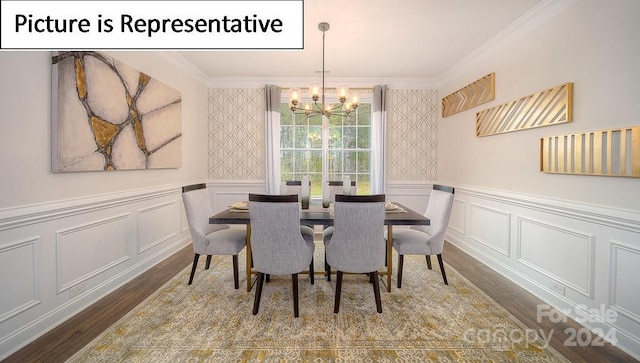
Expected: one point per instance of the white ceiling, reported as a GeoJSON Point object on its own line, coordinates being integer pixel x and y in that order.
{"type": "Point", "coordinates": [375, 38]}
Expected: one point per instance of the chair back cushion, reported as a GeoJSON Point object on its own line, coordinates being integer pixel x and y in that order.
{"type": "Point", "coordinates": [198, 209]}
{"type": "Point", "coordinates": [358, 243]}
{"type": "Point", "coordinates": [277, 245]}
{"type": "Point", "coordinates": [337, 187]}
{"type": "Point", "coordinates": [438, 212]}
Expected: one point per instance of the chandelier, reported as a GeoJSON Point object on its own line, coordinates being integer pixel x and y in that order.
{"type": "Point", "coordinates": [317, 93]}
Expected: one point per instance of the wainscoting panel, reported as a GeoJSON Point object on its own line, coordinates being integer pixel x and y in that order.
{"type": "Point", "coordinates": [572, 256]}
{"type": "Point", "coordinates": [544, 248]}
{"type": "Point", "coordinates": [411, 194]}
{"type": "Point", "coordinates": [87, 250]}
{"type": "Point", "coordinates": [156, 224]}
{"type": "Point", "coordinates": [625, 294]}
{"type": "Point", "coordinates": [223, 193]}
{"type": "Point", "coordinates": [57, 258]}
{"type": "Point", "coordinates": [490, 227]}
{"type": "Point", "coordinates": [457, 221]}
{"type": "Point", "coordinates": [19, 264]}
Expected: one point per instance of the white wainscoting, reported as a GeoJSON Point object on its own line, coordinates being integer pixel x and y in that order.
{"type": "Point", "coordinates": [225, 193]}
{"type": "Point", "coordinates": [58, 258]}
{"type": "Point", "coordinates": [581, 258]}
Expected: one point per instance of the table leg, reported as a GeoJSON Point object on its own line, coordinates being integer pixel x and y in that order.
{"type": "Point", "coordinates": [389, 255]}
{"type": "Point", "coordinates": [248, 259]}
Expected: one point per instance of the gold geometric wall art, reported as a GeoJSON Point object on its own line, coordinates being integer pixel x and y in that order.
{"type": "Point", "coordinates": [613, 152]}
{"type": "Point", "coordinates": [472, 95]}
{"type": "Point", "coordinates": [549, 107]}
{"type": "Point", "coordinates": [109, 116]}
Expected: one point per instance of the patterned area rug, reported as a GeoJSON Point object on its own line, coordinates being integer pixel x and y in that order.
{"type": "Point", "coordinates": [424, 321]}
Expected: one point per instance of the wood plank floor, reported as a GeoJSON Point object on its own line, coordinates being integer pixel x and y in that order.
{"type": "Point", "coordinates": [63, 341]}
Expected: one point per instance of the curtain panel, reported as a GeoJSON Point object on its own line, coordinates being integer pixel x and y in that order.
{"type": "Point", "coordinates": [379, 122]}
{"type": "Point", "coordinates": [272, 116]}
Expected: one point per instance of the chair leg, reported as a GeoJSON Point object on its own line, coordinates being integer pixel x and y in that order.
{"type": "Point", "coordinates": [327, 268]}
{"type": "Point", "coordinates": [376, 291]}
{"type": "Point", "coordinates": [236, 278]}
{"type": "Point", "coordinates": [206, 267]}
{"type": "Point", "coordinates": [294, 283]}
{"type": "Point", "coordinates": [193, 269]}
{"type": "Point", "coordinates": [256, 300]}
{"type": "Point", "coordinates": [400, 266]}
{"type": "Point", "coordinates": [336, 306]}
{"type": "Point", "coordinates": [444, 275]}
{"type": "Point", "coordinates": [311, 276]}
{"type": "Point", "coordinates": [428, 261]}
{"type": "Point", "coordinates": [268, 277]}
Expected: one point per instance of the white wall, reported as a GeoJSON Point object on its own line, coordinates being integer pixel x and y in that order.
{"type": "Point", "coordinates": [595, 45]}
{"type": "Point", "coordinates": [66, 239]}
{"type": "Point", "coordinates": [571, 240]}
{"type": "Point", "coordinates": [25, 143]}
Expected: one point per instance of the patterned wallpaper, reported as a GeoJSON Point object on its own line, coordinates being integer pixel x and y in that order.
{"type": "Point", "coordinates": [237, 135]}
{"type": "Point", "coordinates": [412, 135]}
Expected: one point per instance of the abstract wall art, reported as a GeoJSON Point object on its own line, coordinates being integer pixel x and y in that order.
{"type": "Point", "coordinates": [472, 95]}
{"type": "Point", "coordinates": [549, 107]}
{"type": "Point", "coordinates": [109, 116]}
{"type": "Point", "coordinates": [612, 152]}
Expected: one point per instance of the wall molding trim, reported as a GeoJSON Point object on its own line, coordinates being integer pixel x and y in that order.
{"type": "Point", "coordinates": [20, 216]}
{"type": "Point", "coordinates": [532, 20]}
{"type": "Point", "coordinates": [49, 242]}
{"type": "Point", "coordinates": [618, 218]}
{"type": "Point", "coordinates": [594, 252]}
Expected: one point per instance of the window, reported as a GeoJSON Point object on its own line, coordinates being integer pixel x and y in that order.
{"type": "Point", "coordinates": [328, 149]}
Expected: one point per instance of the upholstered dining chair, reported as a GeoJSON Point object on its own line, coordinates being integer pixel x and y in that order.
{"type": "Point", "coordinates": [210, 239]}
{"type": "Point", "coordinates": [427, 240]}
{"type": "Point", "coordinates": [335, 187]}
{"type": "Point", "coordinates": [357, 243]}
{"type": "Point", "coordinates": [295, 187]}
{"type": "Point", "coordinates": [278, 246]}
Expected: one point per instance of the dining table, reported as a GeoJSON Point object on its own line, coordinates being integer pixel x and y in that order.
{"type": "Point", "coordinates": [396, 214]}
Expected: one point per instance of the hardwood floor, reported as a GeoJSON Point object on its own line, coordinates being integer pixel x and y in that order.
{"type": "Point", "coordinates": [63, 341]}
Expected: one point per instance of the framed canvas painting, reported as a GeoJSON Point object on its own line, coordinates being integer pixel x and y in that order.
{"type": "Point", "coordinates": [109, 116]}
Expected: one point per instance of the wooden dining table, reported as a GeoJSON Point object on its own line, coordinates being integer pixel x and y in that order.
{"type": "Point", "coordinates": [317, 215]}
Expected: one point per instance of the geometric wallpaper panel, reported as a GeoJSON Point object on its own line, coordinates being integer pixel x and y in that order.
{"type": "Point", "coordinates": [237, 134]}
{"type": "Point", "coordinates": [412, 135]}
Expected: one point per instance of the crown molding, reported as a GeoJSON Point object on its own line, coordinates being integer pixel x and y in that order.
{"type": "Point", "coordinates": [533, 19]}
{"type": "Point", "coordinates": [183, 64]}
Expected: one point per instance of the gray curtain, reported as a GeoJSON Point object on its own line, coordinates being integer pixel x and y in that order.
{"type": "Point", "coordinates": [379, 121]}
{"type": "Point", "coordinates": [272, 116]}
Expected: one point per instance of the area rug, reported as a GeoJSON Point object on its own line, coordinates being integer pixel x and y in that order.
{"type": "Point", "coordinates": [424, 321]}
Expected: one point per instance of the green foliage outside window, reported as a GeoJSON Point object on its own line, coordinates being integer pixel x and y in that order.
{"type": "Point", "coordinates": [349, 148]}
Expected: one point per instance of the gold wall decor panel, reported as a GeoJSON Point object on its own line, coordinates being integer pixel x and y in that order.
{"type": "Point", "coordinates": [549, 107]}
{"type": "Point", "coordinates": [472, 95]}
{"type": "Point", "coordinates": [614, 152]}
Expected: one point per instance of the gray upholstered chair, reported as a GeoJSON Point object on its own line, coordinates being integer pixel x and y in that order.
{"type": "Point", "coordinates": [210, 239]}
{"type": "Point", "coordinates": [357, 244]}
{"type": "Point", "coordinates": [295, 187]}
{"type": "Point", "coordinates": [335, 187]}
{"type": "Point", "coordinates": [426, 240]}
{"type": "Point", "coordinates": [278, 246]}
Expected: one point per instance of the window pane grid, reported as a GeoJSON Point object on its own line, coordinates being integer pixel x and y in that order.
{"type": "Point", "coordinates": [348, 151]}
